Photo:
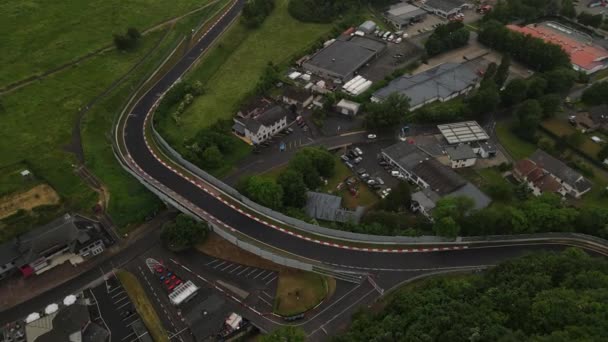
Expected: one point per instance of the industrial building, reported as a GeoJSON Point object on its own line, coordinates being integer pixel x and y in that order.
{"type": "Point", "coordinates": [403, 14]}
{"type": "Point", "coordinates": [584, 55]}
{"type": "Point", "coordinates": [441, 83]}
{"type": "Point", "coordinates": [341, 59]}
{"type": "Point", "coordinates": [445, 8]}
{"type": "Point", "coordinates": [435, 179]}
{"type": "Point", "coordinates": [463, 132]}
{"type": "Point", "coordinates": [329, 208]}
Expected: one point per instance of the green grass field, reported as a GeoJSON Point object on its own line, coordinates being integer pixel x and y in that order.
{"type": "Point", "coordinates": [299, 291]}
{"type": "Point", "coordinates": [366, 197]}
{"type": "Point", "coordinates": [47, 34]}
{"type": "Point", "coordinates": [516, 147]}
{"type": "Point", "coordinates": [38, 120]}
{"type": "Point", "coordinates": [231, 70]}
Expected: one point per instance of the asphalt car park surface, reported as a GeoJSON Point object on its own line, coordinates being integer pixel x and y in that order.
{"type": "Point", "coordinates": [115, 309]}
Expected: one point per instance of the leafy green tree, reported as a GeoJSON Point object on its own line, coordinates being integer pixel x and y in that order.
{"type": "Point", "coordinates": [255, 12]}
{"type": "Point", "coordinates": [294, 188]}
{"type": "Point", "coordinates": [269, 78]}
{"type": "Point", "coordinates": [264, 191]}
{"type": "Point", "coordinates": [447, 227]}
{"type": "Point", "coordinates": [454, 207]}
{"type": "Point", "coordinates": [536, 87]}
{"type": "Point", "coordinates": [529, 114]}
{"type": "Point", "coordinates": [399, 199]}
{"type": "Point", "coordinates": [567, 9]}
{"type": "Point", "coordinates": [500, 191]}
{"type": "Point", "coordinates": [183, 233]}
{"type": "Point", "coordinates": [320, 11]}
{"type": "Point", "coordinates": [597, 94]}
{"type": "Point", "coordinates": [603, 153]}
{"type": "Point", "coordinates": [502, 73]}
{"type": "Point", "coordinates": [388, 114]}
{"type": "Point", "coordinates": [447, 37]}
{"type": "Point", "coordinates": [560, 80]}
{"type": "Point", "coordinates": [576, 139]}
{"type": "Point", "coordinates": [212, 158]}
{"type": "Point", "coordinates": [590, 19]}
{"type": "Point", "coordinates": [550, 104]}
{"type": "Point", "coordinates": [485, 100]}
{"type": "Point", "coordinates": [303, 164]}
{"type": "Point", "coordinates": [515, 92]}
{"type": "Point", "coordinates": [285, 334]}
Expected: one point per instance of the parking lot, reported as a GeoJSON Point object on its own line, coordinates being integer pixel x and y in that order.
{"type": "Point", "coordinates": [252, 276]}
{"type": "Point", "coordinates": [115, 310]}
{"type": "Point", "coordinates": [397, 55]}
{"type": "Point", "coordinates": [369, 167]}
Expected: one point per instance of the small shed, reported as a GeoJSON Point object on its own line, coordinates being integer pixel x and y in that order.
{"type": "Point", "coordinates": [347, 107]}
{"type": "Point", "coordinates": [368, 27]}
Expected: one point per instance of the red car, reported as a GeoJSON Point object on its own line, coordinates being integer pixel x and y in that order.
{"type": "Point", "coordinates": [171, 287]}
{"type": "Point", "coordinates": [177, 282]}
{"type": "Point", "coordinates": [160, 269]}
{"type": "Point", "coordinates": [168, 281]}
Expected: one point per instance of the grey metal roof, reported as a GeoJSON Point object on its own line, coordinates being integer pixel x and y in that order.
{"type": "Point", "coordinates": [344, 57]}
{"type": "Point", "coordinates": [444, 5]}
{"type": "Point", "coordinates": [426, 198]}
{"type": "Point", "coordinates": [406, 155]}
{"type": "Point", "coordinates": [438, 82]}
{"type": "Point", "coordinates": [460, 152]}
{"type": "Point", "coordinates": [296, 93]}
{"type": "Point", "coordinates": [368, 26]}
{"type": "Point", "coordinates": [469, 190]}
{"type": "Point", "coordinates": [463, 132]}
{"type": "Point", "coordinates": [440, 178]}
{"type": "Point", "coordinates": [68, 320]}
{"type": "Point", "coordinates": [560, 170]}
{"type": "Point", "coordinates": [329, 208]}
{"type": "Point", "coordinates": [402, 13]}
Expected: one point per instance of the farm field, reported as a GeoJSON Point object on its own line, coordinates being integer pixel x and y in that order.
{"type": "Point", "coordinates": [42, 115]}
{"type": "Point", "coordinates": [232, 68]}
{"type": "Point", "coordinates": [47, 34]}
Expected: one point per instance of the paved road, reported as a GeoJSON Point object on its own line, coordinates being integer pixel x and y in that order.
{"type": "Point", "coordinates": [158, 173]}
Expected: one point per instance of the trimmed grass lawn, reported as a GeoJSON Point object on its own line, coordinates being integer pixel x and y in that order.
{"type": "Point", "coordinates": [231, 70]}
{"type": "Point", "coordinates": [12, 181]}
{"type": "Point", "coordinates": [299, 291]}
{"type": "Point", "coordinates": [47, 34]}
{"type": "Point", "coordinates": [517, 147]}
{"type": "Point", "coordinates": [561, 128]}
{"type": "Point", "coordinates": [143, 305]}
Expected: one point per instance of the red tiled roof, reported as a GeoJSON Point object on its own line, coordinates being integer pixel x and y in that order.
{"type": "Point", "coordinates": [581, 54]}
{"type": "Point", "coordinates": [524, 167]}
{"type": "Point", "coordinates": [548, 184]}
{"type": "Point", "coordinates": [536, 175]}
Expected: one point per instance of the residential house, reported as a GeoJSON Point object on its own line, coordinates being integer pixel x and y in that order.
{"type": "Point", "coordinates": [441, 83]}
{"type": "Point", "coordinates": [70, 238]}
{"type": "Point", "coordinates": [593, 119]}
{"type": "Point", "coordinates": [347, 107]}
{"type": "Point", "coordinates": [259, 128]}
{"type": "Point", "coordinates": [484, 149]}
{"type": "Point", "coordinates": [461, 155]}
{"type": "Point", "coordinates": [298, 97]}
{"type": "Point", "coordinates": [544, 173]}
{"type": "Point", "coordinates": [329, 208]}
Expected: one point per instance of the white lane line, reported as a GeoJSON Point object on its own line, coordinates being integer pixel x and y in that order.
{"type": "Point", "coordinates": [126, 337]}
{"type": "Point", "coordinates": [265, 301]}
{"type": "Point", "coordinates": [218, 265]}
{"type": "Point", "coordinates": [122, 306]}
{"type": "Point", "coordinates": [259, 274]}
{"type": "Point", "coordinates": [266, 294]}
{"type": "Point", "coordinates": [250, 273]}
{"type": "Point", "coordinates": [268, 275]}
{"type": "Point", "coordinates": [117, 294]}
{"type": "Point", "coordinates": [270, 281]}
{"type": "Point", "coordinates": [212, 262]}
{"type": "Point", "coordinates": [236, 268]}
{"type": "Point", "coordinates": [242, 271]}
{"type": "Point", "coordinates": [225, 268]}
{"type": "Point", "coordinates": [121, 299]}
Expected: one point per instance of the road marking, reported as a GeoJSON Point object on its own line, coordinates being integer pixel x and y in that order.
{"type": "Point", "coordinates": [236, 268]}
{"type": "Point", "coordinates": [242, 271]}
{"type": "Point", "coordinates": [267, 295]}
{"type": "Point", "coordinates": [121, 299]}
{"type": "Point", "coordinates": [122, 306]}
{"type": "Point", "coordinates": [270, 281]}
{"type": "Point", "coordinates": [212, 262]}
{"type": "Point", "coordinates": [128, 325]}
{"type": "Point", "coordinates": [225, 268]}
{"type": "Point", "coordinates": [250, 273]}
{"type": "Point", "coordinates": [268, 275]}
{"type": "Point", "coordinates": [131, 334]}
{"type": "Point", "coordinates": [114, 296]}
{"type": "Point", "coordinates": [218, 265]}
{"type": "Point", "coordinates": [265, 301]}
{"type": "Point", "coordinates": [263, 271]}
{"type": "Point", "coordinates": [126, 318]}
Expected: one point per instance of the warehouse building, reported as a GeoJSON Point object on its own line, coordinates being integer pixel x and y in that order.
{"type": "Point", "coordinates": [341, 59]}
{"type": "Point", "coordinates": [441, 83]}
{"type": "Point", "coordinates": [463, 132]}
{"type": "Point", "coordinates": [403, 14]}
{"type": "Point", "coordinates": [445, 8]}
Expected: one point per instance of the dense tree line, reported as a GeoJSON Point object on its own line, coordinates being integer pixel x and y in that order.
{"type": "Point", "coordinates": [590, 19]}
{"type": "Point", "coordinates": [531, 51]}
{"type": "Point", "coordinates": [526, 10]}
{"type": "Point", "coordinates": [210, 146]}
{"type": "Point", "coordinates": [305, 171]}
{"type": "Point", "coordinates": [127, 41]}
{"type": "Point", "coordinates": [183, 233]}
{"type": "Point", "coordinates": [455, 216]}
{"type": "Point", "coordinates": [597, 94]}
{"type": "Point", "coordinates": [539, 297]}
{"type": "Point", "coordinates": [320, 11]}
{"type": "Point", "coordinates": [388, 114]}
{"type": "Point", "coordinates": [177, 100]}
{"type": "Point", "coordinates": [447, 37]}
{"type": "Point", "coordinates": [256, 11]}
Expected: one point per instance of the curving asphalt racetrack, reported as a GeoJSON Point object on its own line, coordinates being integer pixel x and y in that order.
{"type": "Point", "coordinates": [146, 161]}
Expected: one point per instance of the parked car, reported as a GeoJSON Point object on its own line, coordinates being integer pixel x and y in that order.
{"type": "Point", "coordinates": [352, 154]}
{"type": "Point", "coordinates": [395, 173]}
{"type": "Point", "coordinates": [379, 181]}
{"type": "Point", "coordinates": [361, 171]}
{"type": "Point", "coordinates": [358, 151]}
{"type": "Point", "coordinates": [376, 186]}
{"type": "Point", "coordinates": [344, 157]}
{"type": "Point", "coordinates": [371, 136]}
{"type": "Point", "coordinates": [358, 160]}
{"type": "Point", "coordinates": [371, 182]}
{"type": "Point", "coordinates": [365, 175]}
{"type": "Point", "coordinates": [382, 162]}
{"type": "Point", "coordinates": [349, 165]}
